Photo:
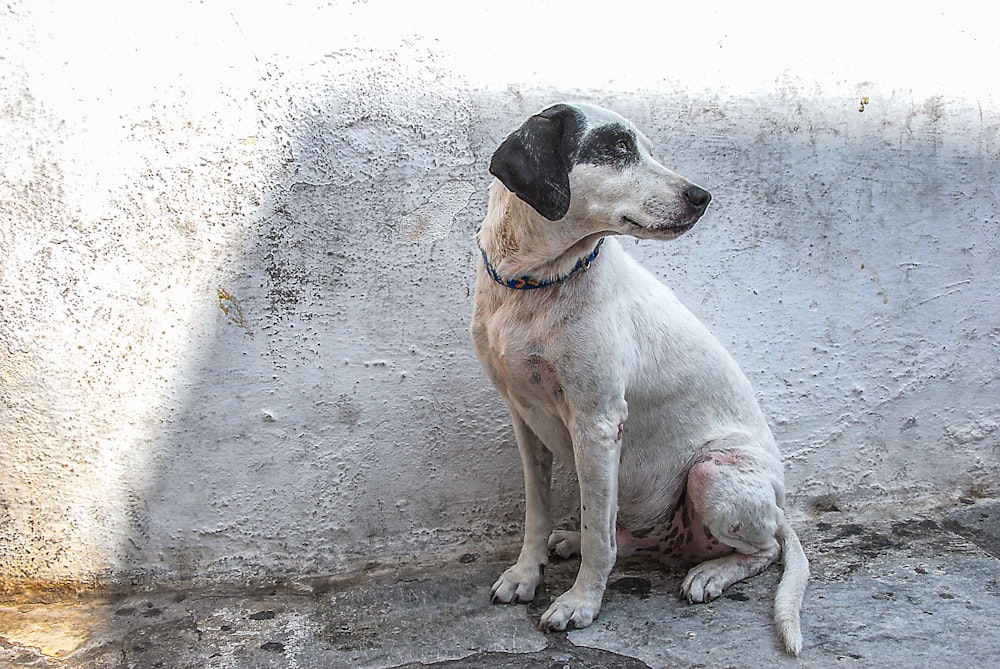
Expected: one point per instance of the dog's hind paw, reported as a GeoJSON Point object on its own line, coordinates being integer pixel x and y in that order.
{"type": "Point", "coordinates": [706, 582]}
{"type": "Point", "coordinates": [517, 585]}
{"type": "Point", "coordinates": [564, 544]}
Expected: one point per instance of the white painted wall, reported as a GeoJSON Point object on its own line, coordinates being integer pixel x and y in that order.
{"type": "Point", "coordinates": [236, 254]}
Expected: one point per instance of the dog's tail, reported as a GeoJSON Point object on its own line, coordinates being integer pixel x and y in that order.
{"type": "Point", "coordinates": [791, 589]}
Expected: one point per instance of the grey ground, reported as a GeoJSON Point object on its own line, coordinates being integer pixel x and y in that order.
{"type": "Point", "coordinates": [916, 590]}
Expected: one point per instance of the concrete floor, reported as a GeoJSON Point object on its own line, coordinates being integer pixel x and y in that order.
{"type": "Point", "coordinates": [919, 589]}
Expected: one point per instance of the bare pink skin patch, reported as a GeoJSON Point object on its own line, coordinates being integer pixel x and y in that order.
{"type": "Point", "coordinates": [684, 541]}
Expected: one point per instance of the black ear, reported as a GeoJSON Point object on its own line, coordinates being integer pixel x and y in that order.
{"type": "Point", "coordinates": [534, 161]}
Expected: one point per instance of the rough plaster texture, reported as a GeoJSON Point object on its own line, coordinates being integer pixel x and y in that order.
{"type": "Point", "coordinates": [236, 254]}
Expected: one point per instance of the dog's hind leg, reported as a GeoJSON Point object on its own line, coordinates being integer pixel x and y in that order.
{"type": "Point", "coordinates": [733, 496]}
{"type": "Point", "coordinates": [517, 585]}
{"type": "Point", "coordinates": [737, 495]}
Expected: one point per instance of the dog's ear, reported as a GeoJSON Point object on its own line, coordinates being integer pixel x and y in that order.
{"type": "Point", "coordinates": [534, 161]}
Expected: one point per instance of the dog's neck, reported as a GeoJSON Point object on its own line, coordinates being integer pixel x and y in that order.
{"type": "Point", "coordinates": [520, 242]}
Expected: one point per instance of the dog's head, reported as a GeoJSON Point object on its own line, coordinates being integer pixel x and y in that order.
{"type": "Point", "coordinates": [588, 163]}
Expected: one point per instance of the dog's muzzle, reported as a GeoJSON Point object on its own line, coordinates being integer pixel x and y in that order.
{"type": "Point", "coordinates": [677, 216]}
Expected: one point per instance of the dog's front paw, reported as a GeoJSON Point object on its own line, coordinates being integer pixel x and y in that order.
{"type": "Point", "coordinates": [517, 585]}
{"type": "Point", "coordinates": [570, 610]}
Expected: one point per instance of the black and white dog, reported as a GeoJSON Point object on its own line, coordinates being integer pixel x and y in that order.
{"type": "Point", "coordinates": [600, 364]}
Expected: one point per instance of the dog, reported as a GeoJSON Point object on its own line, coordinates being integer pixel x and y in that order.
{"type": "Point", "coordinates": [600, 364]}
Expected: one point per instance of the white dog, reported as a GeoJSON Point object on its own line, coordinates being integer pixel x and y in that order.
{"type": "Point", "coordinates": [600, 364]}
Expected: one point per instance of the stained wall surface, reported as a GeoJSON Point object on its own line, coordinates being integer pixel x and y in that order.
{"type": "Point", "coordinates": [236, 255]}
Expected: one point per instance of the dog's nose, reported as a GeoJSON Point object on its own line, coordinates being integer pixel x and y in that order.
{"type": "Point", "coordinates": [698, 197]}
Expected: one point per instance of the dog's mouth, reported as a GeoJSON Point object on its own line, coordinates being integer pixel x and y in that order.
{"type": "Point", "coordinates": [673, 230]}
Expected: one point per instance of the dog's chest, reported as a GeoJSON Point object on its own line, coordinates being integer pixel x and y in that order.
{"type": "Point", "coordinates": [529, 376]}
{"type": "Point", "coordinates": [520, 360]}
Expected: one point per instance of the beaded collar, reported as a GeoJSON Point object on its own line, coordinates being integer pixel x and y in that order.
{"type": "Point", "coordinates": [527, 283]}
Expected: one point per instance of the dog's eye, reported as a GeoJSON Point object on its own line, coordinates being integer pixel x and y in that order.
{"type": "Point", "coordinates": [622, 145]}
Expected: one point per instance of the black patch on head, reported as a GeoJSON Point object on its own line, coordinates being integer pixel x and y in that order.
{"type": "Point", "coordinates": [613, 144]}
{"type": "Point", "coordinates": [535, 160]}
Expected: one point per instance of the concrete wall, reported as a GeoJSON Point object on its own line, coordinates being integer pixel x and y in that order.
{"type": "Point", "coordinates": [236, 255]}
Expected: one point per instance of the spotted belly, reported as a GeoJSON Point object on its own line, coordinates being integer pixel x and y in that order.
{"type": "Point", "coordinates": [682, 542]}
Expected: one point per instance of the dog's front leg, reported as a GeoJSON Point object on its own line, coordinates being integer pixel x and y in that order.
{"type": "Point", "coordinates": [519, 582]}
{"type": "Point", "coordinates": [597, 452]}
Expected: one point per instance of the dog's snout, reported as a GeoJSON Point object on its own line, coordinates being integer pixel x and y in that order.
{"type": "Point", "coordinates": [698, 197]}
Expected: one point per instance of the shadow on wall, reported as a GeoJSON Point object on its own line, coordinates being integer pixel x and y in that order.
{"type": "Point", "coordinates": [338, 418]}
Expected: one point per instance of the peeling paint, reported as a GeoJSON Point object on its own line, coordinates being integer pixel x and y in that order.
{"type": "Point", "coordinates": [434, 220]}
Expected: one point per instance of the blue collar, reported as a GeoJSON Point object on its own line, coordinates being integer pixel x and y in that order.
{"type": "Point", "coordinates": [527, 283]}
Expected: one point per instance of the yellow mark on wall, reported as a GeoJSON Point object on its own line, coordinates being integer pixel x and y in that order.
{"type": "Point", "coordinates": [233, 312]}
{"type": "Point", "coordinates": [864, 103]}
